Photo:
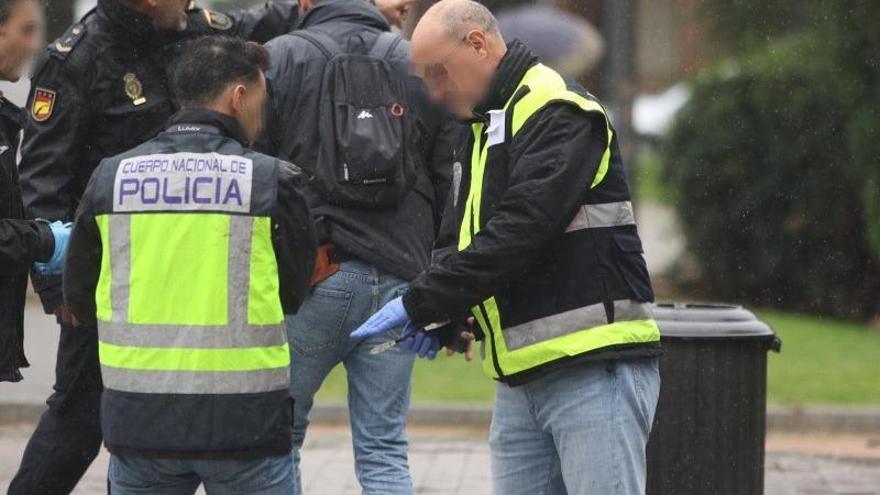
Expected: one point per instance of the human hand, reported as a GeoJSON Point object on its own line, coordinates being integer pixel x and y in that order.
{"type": "Point", "coordinates": [424, 343]}
{"type": "Point", "coordinates": [64, 314]}
{"type": "Point", "coordinates": [391, 316]}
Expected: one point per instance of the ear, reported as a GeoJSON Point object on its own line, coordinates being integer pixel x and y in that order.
{"type": "Point", "coordinates": [239, 91]}
{"type": "Point", "coordinates": [477, 40]}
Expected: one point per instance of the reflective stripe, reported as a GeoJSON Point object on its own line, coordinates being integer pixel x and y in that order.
{"type": "Point", "coordinates": [173, 359]}
{"type": "Point", "coordinates": [191, 336]}
{"type": "Point", "coordinates": [193, 382]}
{"type": "Point", "coordinates": [547, 86]}
{"type": "Point", "coordinates": [602, 215]}
{"type": "Point", "coordinates": [119, 227]}
{"type": "Point", "coordinates": [575, 320]}
{"type": "Point", "coordinates": [239, 272]}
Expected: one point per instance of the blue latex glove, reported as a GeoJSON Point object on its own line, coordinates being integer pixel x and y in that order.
{"type": "Point", "coordinates": [391, 316]}
{"type": "Point", "coordinates": [55, 265]}
{"type": "Point", "coordinates": [425, 344]}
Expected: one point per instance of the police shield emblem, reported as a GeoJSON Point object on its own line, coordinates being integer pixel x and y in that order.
{"type": "Point", "coordinates": [44, 103]}
{"type": "Point", "coordinates": [134, 89]}
{"type": "Point", "coordinates": [218, 20]}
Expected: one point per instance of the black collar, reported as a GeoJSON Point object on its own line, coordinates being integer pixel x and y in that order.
{"type": "Point", "coordinates": [131, 22]}
{"type": "Point", "coordinates": [351, 11]}
{"type": "Point", "coordinates": [514, 65]}
{"type": "Point", "coordinates": [12, 113]}
{"type": "Point", "coordinates": [193, 120]}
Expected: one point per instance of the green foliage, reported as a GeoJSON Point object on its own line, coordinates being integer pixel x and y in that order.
{"type": "Point", "coordinates": [739, 25]}
{"type": "Point", "coordinates": [769, 199]}
{"type": "Point", "coordinates": [856, 48]}
{"type": "Point", "coordinates": [774, 159]}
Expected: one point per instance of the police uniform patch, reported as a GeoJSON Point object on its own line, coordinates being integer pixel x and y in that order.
{"type": "Point", "coordinates": [134, 89]}
{"type": "Point", "coordinates": [66, 43]}
{"type": "Point", "coordinates": [44, 103]}
{"type": "Point", "coordinates": [218, 20]}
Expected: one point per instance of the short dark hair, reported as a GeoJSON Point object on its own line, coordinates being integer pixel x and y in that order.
{"type": "Point", "coordinates": [211, 64]}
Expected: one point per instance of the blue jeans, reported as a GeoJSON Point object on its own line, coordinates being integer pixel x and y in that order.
{"type": "Point", "coordinates": [378, 385]}
{"type": "Point", "coordinates": [576, 431]}
{"type": "Point", "coordinates": [137, 476]}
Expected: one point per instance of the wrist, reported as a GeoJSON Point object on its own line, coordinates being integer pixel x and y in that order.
{"type": "Point", "coordinates": [46, 241]}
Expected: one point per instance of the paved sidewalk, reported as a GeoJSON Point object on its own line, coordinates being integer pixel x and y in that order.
{"type": "Point", "coordinates": [456, 462]}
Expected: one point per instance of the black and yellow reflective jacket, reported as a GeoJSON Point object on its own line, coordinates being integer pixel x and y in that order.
{"type": "Point", "coordinates": [103, 88]}
{"type": "Point", "coordinates": [539, 240]}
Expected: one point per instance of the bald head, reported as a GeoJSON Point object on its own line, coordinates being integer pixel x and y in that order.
{"type": "Point", "coordinates": [460, 16]}
{"type": "Point", "coordinates": [454, 19]}
{"type": "Point", "coordinates": [458, 46]}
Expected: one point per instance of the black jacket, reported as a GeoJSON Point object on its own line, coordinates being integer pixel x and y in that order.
{"type": "Point", "coordinates": [103, 88]}
{"type": "Point", "coordinates": [292, 227]}
{"type": "Point", "coordinates": [397, 241]}
{"type": "Point", "coordinates": [522, 255]}
{"type": "Point", "coordinates": [22, 242]}
{"type": "Point", "coordinates": [197, 425]}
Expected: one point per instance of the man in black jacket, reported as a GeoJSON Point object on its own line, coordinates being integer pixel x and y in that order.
{"type": "Point", "coordinates": [194, 352]}
{"type": "Point", "coordinates": [542, 249]}
{"type": "Point", "coordinates": [22, 242]}
{"type": "Point", "coordinates": [376, 251]}
{"type": "Point", "coordinates": [100, 89]}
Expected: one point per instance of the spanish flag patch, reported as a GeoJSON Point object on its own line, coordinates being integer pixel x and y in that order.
{"type": "Point", "coordinates": [44, 103]}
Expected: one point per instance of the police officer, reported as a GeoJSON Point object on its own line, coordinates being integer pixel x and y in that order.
{"type": "Point", "coordinates": [543, 250]}
{"type": "Point", "coordinates": [100, 89]}
{"type": "Point", "coordinates": [188, 250]}
{"type": "Point", "coordinates": [22, 242]}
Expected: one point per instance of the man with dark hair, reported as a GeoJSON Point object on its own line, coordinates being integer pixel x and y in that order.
{"type": "Point", "coordinates": [193, 350]}
{"type": "Point", "coordinates": [100, 89]}
{"type": "Point", "coordinates": [369, 253]}
{"type": "Point", "coordinates": [22, 242]}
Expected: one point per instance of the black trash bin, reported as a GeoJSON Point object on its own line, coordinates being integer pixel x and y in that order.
{"type": "Point", "coordinates": [709, 430]}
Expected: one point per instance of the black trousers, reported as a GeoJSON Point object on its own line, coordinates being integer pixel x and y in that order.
{"type": "Point", "coordinates": [68, 436]}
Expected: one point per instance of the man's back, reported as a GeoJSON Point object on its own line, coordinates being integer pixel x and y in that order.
{"type": "Point", "coordinates": [397, 240]}
{"type": "Point", "coordinates": [188, 289]}
{"type": "Point", "coordinates": [186, 253]}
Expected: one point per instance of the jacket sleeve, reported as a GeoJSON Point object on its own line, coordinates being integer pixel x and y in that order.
{"type": "Point", "coordinates": [294, 239]}
{"type": "Point", "coordinates": [263, 23]}
{"type": "Point", "coordinates": [554, 160]}
{"type": "Point", "coordinates": [82, 263]}
{"type": "Point", "coordinates": [22, 242]}
{"type": "Point", "coordinates": [51, 149]}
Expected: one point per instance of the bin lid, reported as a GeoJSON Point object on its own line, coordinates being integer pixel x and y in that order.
{"type": "Point", "coordinates": [709, 321]}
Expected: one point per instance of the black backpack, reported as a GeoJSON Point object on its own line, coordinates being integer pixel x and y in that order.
{"type": "Point", "coordinates": [364, 126]}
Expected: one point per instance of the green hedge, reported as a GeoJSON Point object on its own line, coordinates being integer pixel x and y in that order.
{"type": "Point", "coordinates": [770, 196]}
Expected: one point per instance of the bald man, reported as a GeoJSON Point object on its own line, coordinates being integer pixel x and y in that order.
{"type": "Point", "coordinates": [540, 246]}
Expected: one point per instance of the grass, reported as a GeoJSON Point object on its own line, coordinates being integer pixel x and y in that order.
{"type": "Point", "coordinates": [822, 362]}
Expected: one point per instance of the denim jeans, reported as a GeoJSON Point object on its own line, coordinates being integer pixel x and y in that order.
{"type": "Point", "coordinates": [136, 476]}
{"type": "Point", "coordinates": [576, 431]}
{"type": "Point", "coordinates": [378, 385]}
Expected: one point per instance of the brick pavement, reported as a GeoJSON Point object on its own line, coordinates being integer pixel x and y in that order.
{"type": "Point", "coordinates": [456, 462]}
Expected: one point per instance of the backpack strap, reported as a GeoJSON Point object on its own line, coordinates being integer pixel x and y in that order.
{"type": "Point", "coordinates": [322, 41]}
{"type": "Point", "coordinates": [385, 45]}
